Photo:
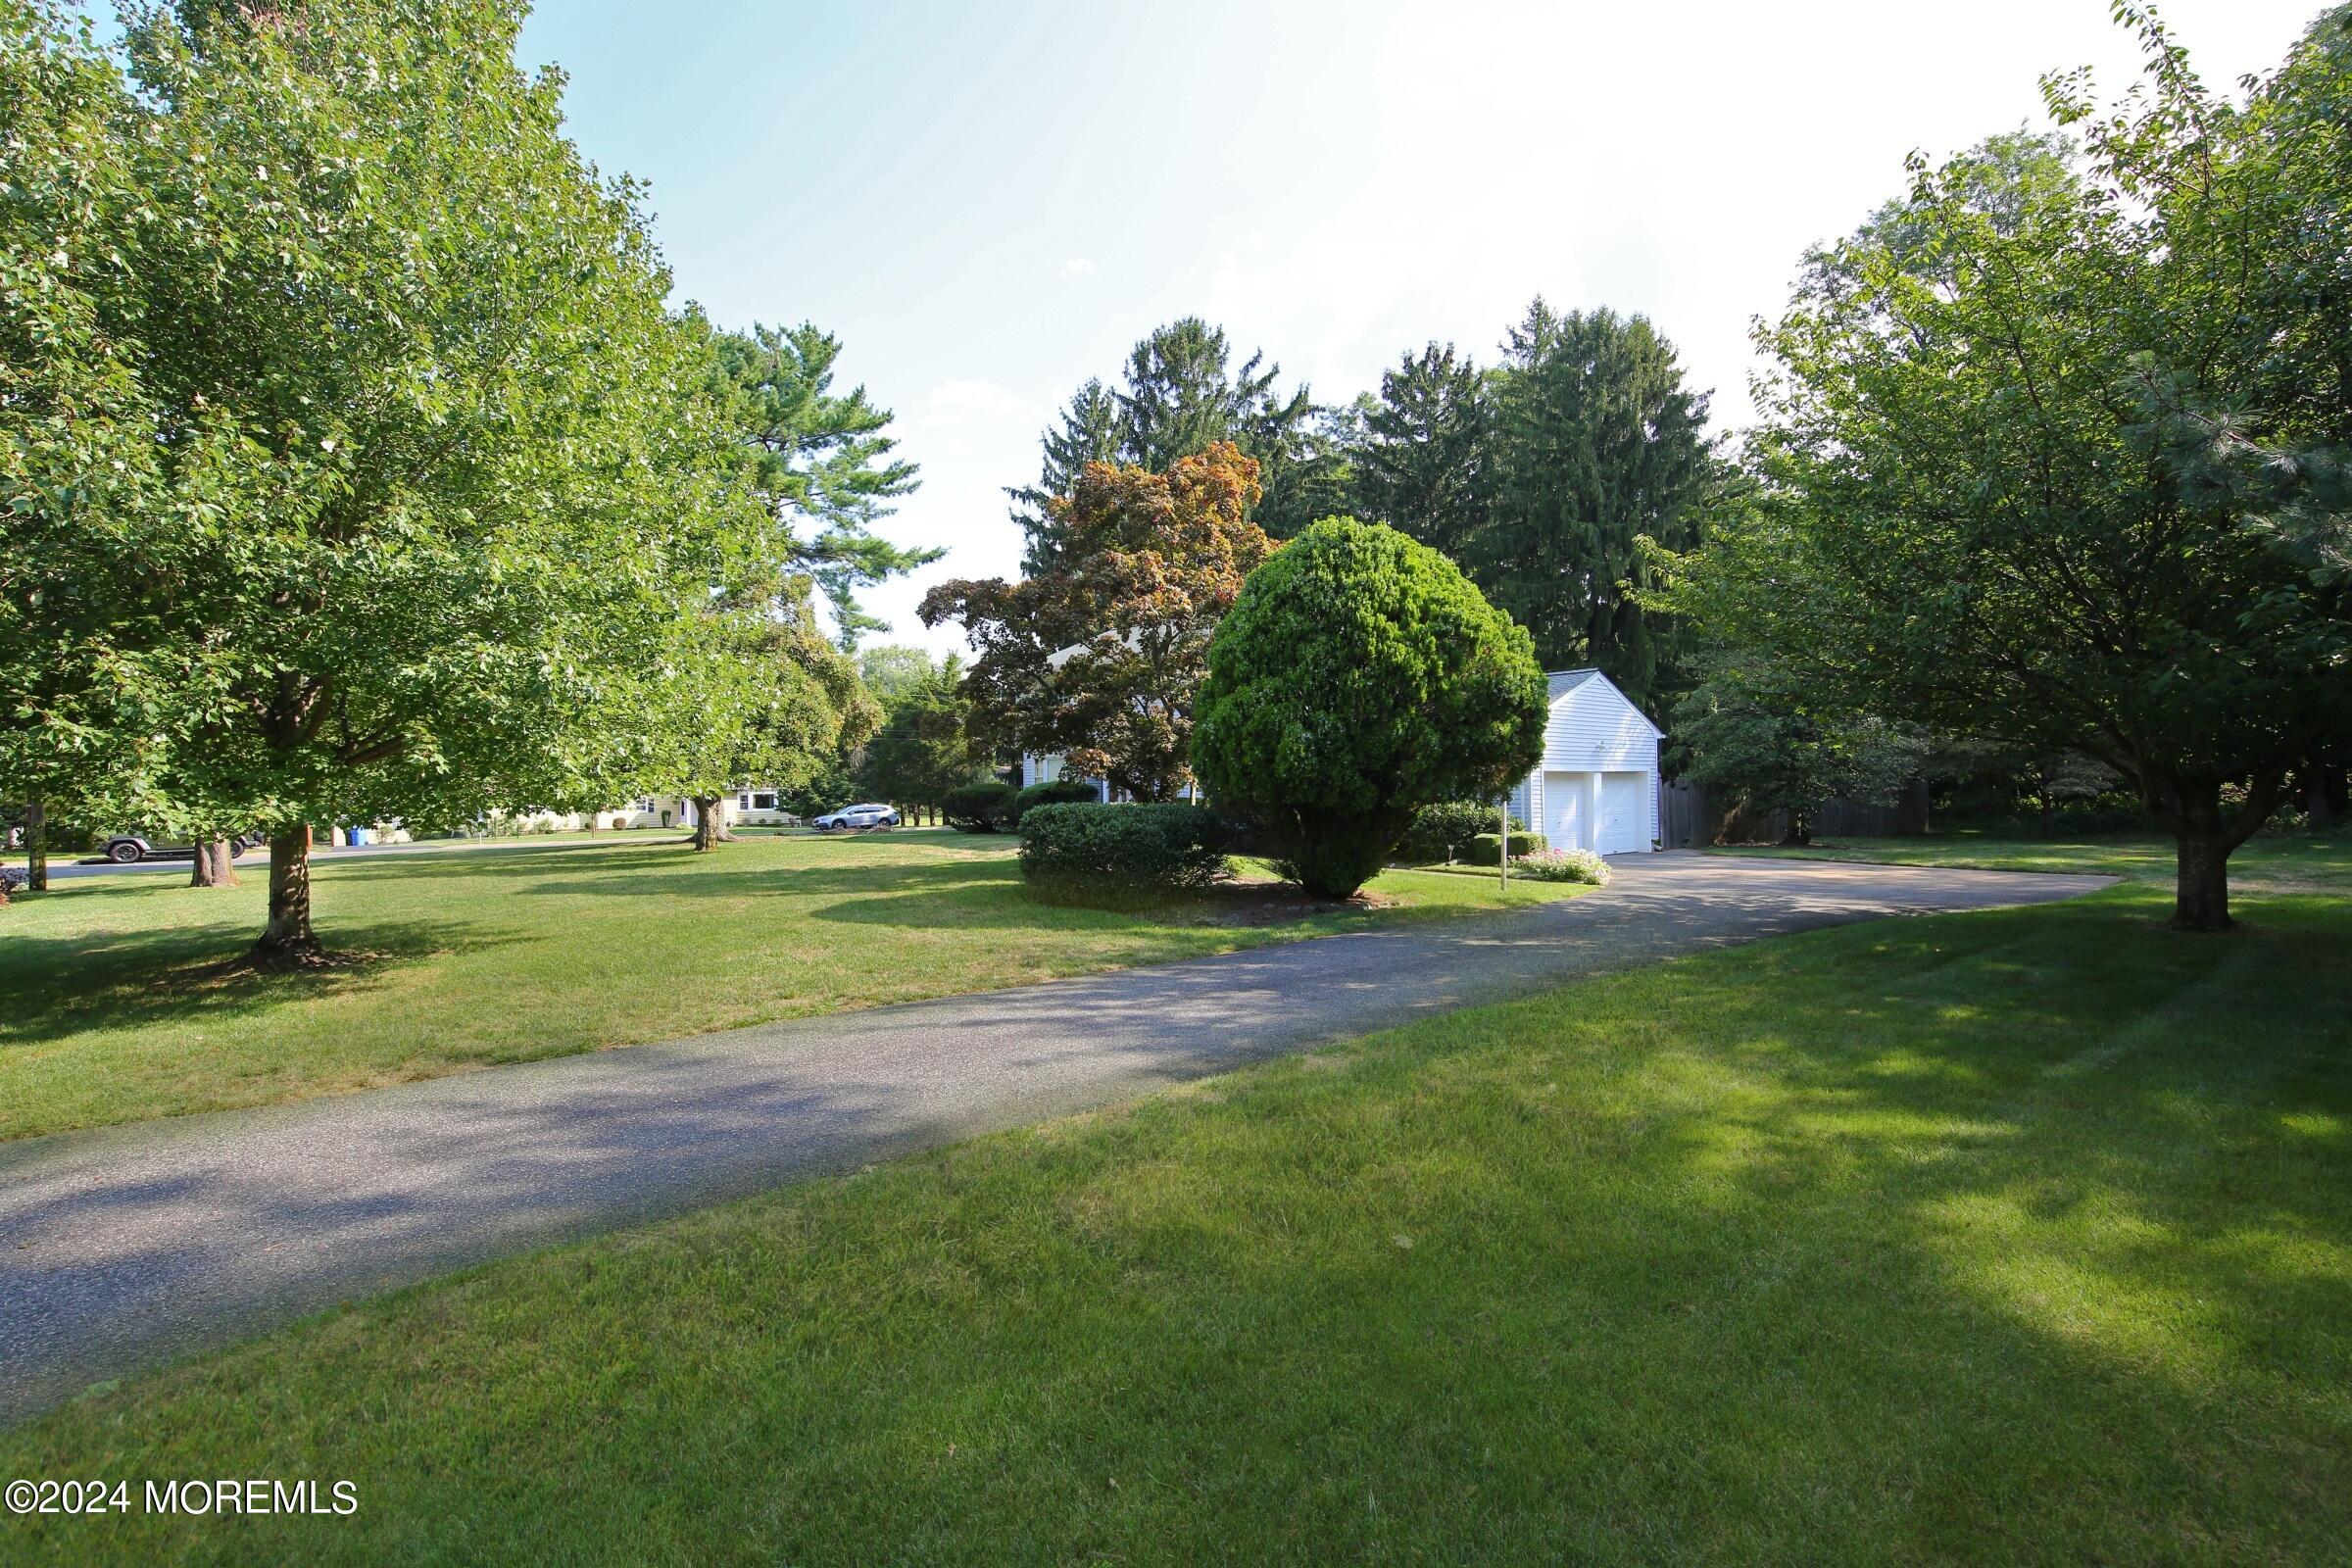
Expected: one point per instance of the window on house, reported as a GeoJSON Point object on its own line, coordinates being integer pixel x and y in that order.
{"type": "Point", "coordinates": [761, 802]}
{"type": "Point", "coordinates": [743, 801]}
{"type": "Point", "coordinates": [646, 804]}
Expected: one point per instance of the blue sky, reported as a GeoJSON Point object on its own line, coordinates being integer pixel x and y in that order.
{"type": "Point", "coordinates": [990, 203]}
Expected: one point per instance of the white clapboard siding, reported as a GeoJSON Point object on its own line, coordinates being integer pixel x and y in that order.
{"type": "Point", "coordinates": [1593, 728]}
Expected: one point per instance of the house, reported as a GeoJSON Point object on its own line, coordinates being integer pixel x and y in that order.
{"type": "Point", "coordinates": [752, 806]}
{"type": "Point", "coordinates": [1597, 787]}
{"type": "Point", "coordinates": [1048, 766]}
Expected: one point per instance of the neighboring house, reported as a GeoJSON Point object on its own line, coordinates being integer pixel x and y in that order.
{"type": "Point", "coordinates": [1046, 769]}
{"type": "Point", "coordinates": [1597, 787]}
{"type": "Point", "coordinates": [749, 807]}
{"type": "Point", "coordinates": [1050, 765]}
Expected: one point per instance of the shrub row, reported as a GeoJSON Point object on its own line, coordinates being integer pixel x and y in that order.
{"type": "Point", "coordinates": [1113, 855]}
{"type": "Point", "coordinates": [995, 807]}
{"type": "Point", "coordinates": [1446, 827]}
{"type": "Point", "coordinates": [1486, 848]}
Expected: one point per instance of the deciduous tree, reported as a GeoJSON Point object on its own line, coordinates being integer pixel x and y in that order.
{"type": "Point", "coordinates": [1100, 656]}
{"type": "Point", "coordinates": [437, 460]}
{"type": "Point", "coordinates": [1754, 730]}
{"type": "Point", "coordinates": [2058, 451]}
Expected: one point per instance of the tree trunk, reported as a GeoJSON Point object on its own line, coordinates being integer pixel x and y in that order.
{"type": "Point", "coordinates": [36, 847]}
{"type": "Point", "coordinates": [214, 869]}
{"type": "Point", "coordinates": [288, 942]}
{"type": "Point", "coordinates": [2319, 798]}
{"type": "Point", "coordinates": [2201, 884]}
{"type": "Point", "coordinates": [2204, 834]}
{"type": "Point", "coordinates": [710, 832]}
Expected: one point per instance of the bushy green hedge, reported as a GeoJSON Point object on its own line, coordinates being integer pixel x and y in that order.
{"type": "Point", "coordinates": [1057, 792]}
{"type": "Point", "coordinates": [1358, 677]}
{"type": "Point", "coordinates": [1486, 848]}
{"type": "Point", "coordinates": [1090, 853]}
{"type": "Point", "coordinates": [986, 807]}
{"type": "Point", "coordinates": [1450, 826]}
{"type": "Point", "coordinates": [1562, 865]}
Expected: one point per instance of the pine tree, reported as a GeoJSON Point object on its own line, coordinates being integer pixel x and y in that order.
{"type": "Point", "coordinates": [1421, 466]}
{"type": "Point", "coordinates": [1596, 445]}
{"type": "Point", "coordinates": [1179, 396]}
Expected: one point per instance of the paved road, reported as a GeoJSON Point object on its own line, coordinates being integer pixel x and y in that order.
{"type": "Point", "coordinates": [124, 1247]}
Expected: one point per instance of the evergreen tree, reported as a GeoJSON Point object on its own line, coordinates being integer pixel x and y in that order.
{"type": "Point", "coordinates": [1180, 395]}
{"type": "Point", "coordinates": [824, 459]}
{"type": "Point", "coordinates": [1088, 433]}
{"type": "Point", "coordinates": [1420, 465]}
{"type": "Point", "coordinates": [1596, 445]}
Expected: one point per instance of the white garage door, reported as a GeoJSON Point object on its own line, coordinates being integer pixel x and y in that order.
{"type": "Point", "coordinates": [1567, 810]}
{"type": "Point", "coordinates": [1623, 813]}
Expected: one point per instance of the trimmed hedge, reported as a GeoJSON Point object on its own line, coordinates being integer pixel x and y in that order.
{"type": "Point", "coordinates": [1448, 825]}
{"type": "Point", "coordinates": [986, 807]}
{"type": "Point", "coordinates": [1090, 853]}
{"type": "Point", "coordinates": [1486, 848]}
{"type": "Point", "coordinates": [1059, 792]}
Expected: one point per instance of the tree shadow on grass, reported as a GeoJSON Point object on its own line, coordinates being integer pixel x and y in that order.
{"type": "Point", "coordinates": [949, 878]}
{"type": "Point", "coordinates": [148, 978]}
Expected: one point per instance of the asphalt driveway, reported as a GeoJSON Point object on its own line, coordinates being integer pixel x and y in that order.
{"type": "Point", "coordinates": [127, 1245]}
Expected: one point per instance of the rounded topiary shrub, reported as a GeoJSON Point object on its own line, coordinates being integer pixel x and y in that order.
{"type": "Point", "coordinates": [1358, 677]}
{"type": "Point", "coordinates": [983, 808]}
{"type": "Point", "coordinates": [1120, 856]}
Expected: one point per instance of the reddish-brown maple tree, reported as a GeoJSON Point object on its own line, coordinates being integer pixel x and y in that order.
{"type": "Point", "coordinates": [1101, 658]}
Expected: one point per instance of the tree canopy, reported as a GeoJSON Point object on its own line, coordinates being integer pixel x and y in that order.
{"type": "Point", "coordinates": [1422, 460]}
{"type": "Point", "coordinates": [2057, 449]}
{"type": "Point", "coordinates": [1100, 656]}
{"type": "Point", "coordinates": [1755, 731]}
{"type": "Point", "coordinates": [1595, 447]}
{"type": "Point", "coordinates": [1180, 395]}
{"type": "Point", "coordinates": [428, 483]}
{"type": "Point", "coordinates": [823, 461]}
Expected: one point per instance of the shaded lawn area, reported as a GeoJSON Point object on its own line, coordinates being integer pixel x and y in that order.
{"type": "Point", "coordinates": [117, 1009]}
{"type": "Point", "coordinates": [2014, 1235]}
{"type": "Point", "coordinates": [2268, 862]}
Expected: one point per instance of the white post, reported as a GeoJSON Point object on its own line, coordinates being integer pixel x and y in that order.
{"type": "Point", "coordinates": [1505, 856]}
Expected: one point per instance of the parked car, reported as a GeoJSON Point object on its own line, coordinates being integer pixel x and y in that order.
{"type": "Point", "coordinates": [128, 848]}
{"type": "Point", "coordinates": [856, 818]}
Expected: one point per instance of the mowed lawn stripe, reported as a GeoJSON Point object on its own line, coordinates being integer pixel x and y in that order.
{"type": "Point", "coordinates": [120, 1008]}
{"type": "Point", "coordinates": [1800, 1251]}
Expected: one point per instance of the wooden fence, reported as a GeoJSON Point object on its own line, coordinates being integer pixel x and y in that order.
{"type": "Point", "coordinates": [1686, 816]}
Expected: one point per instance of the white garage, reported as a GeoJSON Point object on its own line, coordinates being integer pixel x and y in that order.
{"type": "Point", "coordinates": [1598, 785]}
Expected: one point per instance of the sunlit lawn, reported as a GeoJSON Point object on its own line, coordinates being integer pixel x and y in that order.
{"type": "Point", "coordinates": [116, 1009]}
{"type": "Point", "coordinates": [2008, 1237]}
{"type": "Point", "coordinates": [2268, 862]}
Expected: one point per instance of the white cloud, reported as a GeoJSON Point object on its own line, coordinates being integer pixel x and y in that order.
{"type": "Point", "coordinates": [1076, 266]}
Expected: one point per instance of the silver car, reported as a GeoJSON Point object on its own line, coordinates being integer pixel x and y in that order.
{"type": "Point", "coordinates": [857, 818]}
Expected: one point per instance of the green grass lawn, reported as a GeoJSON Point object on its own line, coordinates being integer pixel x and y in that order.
{"type": "Point", "coordinates": [2268, 862]}
{"type": "Point", "coordinates": [2017, 1236]}
{"type": "Point", "coordinates": [117, 1009]}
